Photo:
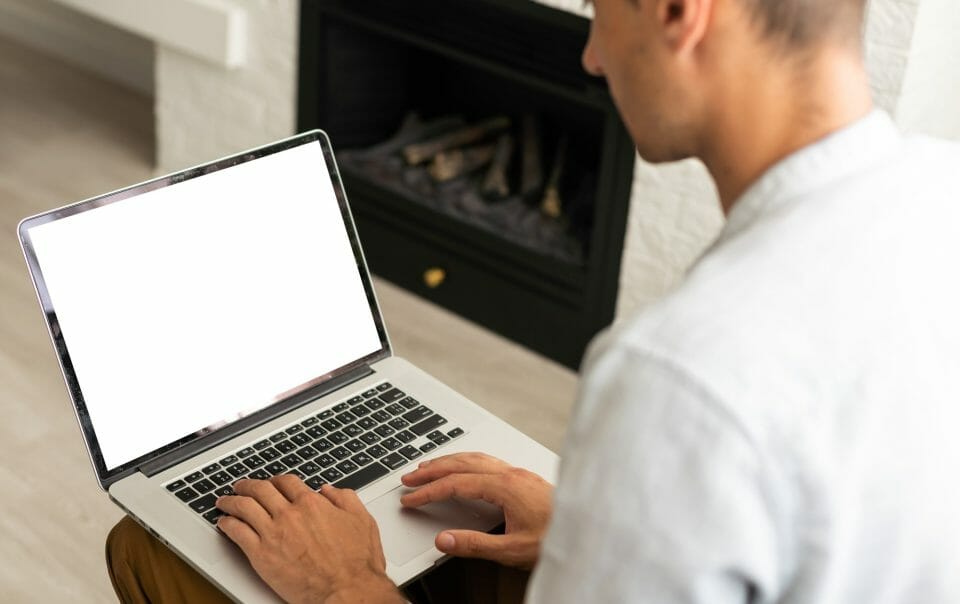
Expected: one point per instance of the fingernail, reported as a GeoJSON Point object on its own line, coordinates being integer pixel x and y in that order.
{"type": "Point", "coordinates": [445, 542]}
{"type": "Point", "coordinates": [423, 463]}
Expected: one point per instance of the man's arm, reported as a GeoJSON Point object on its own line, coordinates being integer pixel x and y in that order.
{"type": "Point", "coordinates": [662, 496]}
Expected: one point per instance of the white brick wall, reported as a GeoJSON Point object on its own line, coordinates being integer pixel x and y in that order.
{"type": "Point", "coordinates": [204, 111]}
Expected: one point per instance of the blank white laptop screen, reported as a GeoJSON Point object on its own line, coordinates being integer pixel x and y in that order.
{"type": "Point", "coordinates": [206, 300]}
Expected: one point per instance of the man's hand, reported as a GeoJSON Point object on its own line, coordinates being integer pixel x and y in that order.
{"type": "Point", "coordinates": [524, 497]}
{"type": "Point", "coordinates": [308, 547]}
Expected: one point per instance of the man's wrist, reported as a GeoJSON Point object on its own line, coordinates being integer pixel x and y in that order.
{"type": "Point", "coordinates": [369, 588]}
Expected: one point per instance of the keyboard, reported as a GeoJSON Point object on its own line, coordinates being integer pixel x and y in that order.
{"type": "Point", "coordinates": [349, 444]}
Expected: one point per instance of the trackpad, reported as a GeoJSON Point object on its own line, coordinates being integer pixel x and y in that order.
{"type": "Point", "coordinates": [407, 533]}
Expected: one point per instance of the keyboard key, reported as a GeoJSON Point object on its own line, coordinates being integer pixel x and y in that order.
{"type": "Point", "coordinates": [315, 482]}
{"type": "Point", "coordinates": [224, 491]}
{"type": "Point", "coordinates": [406, 436]}
{"type": "Point", "coordinates": [410, 452]}
{"type": "Point", "coordinates": [291, 461]}
{"type": "Point", "coordinates": [300, 439]}
{"type": "Point", "coordinates": [442, 439]}
{"type": "Point", "coordinates": [187, 494]}
{"type": "Point", "coordinates": [275, 468]}
{"type": "Point", "coordinates": [355, 400]}
{"type": "Point", "coordinates": [391, 395]}
{"type": "Point", "coordinates": [328, 413]}
{"type": "Point", "coordinates": [382, 416]}
{"type": "Point", "coordinates": [376, 451]}
{"type": "Point", "coordinates": [369, 393]}
{"type": "Point", "coordinates": [434, 434]}
{"type": "Point", "coordinates": [361, 459]}
{"type": "Point", "coordinates": [296, 473]}
{"type": "Point", "coordinates": [261, 444]}
{"type": "Point", "coordinates": [340, 452]}
{"type": "Point", "coordinates": [384, 386]}
{"type": "Point", "coordinates": [254, 461]}
{"type": "Point", "coordinates": [294, 429]}
{"type": "Point", "coordinates": [204, 486]}
{"type": "Point", "coordinates": [331, 474]}
{"type": "Point", "coordinates": [213, 515]}
{"type": "Point", "coordinates": [339, 407]}
{"type": "Point", "coordinates": [392, 444]}
{"type": "Point", "coordinates": [425, 447]}
{"type": "Point", "coordinates": [211, 469]}
{"type": "Point", "coordinates": [455, 432]}
{"type": "Point", "coordinates": [331, 424]}
{"type": "Point", "coordinates": [394, 461]}
{"type": "Point", "coordinates": [337, 438]}
{"type": "Point", "coordinates": [428, 425]}
{"type": "Point", "coordinates": [307, 452]}
{"type": "Point", "coordinates": [237, 470]}
{"type": "Point", "coordinates": [309, 468]}
{"type": "Point", "coordinates": [229, 460]}
{"type": "Point", "coordinates": [205, 503]}
{"type": "Point", "coordinates": [375, 404]}
{"type": "Point", "coordinates": [194, 477]}
{"type": "Point", "coordinates": [367, 423]}
{"type": "Point", "coordinates": [221, 478]}
{"type": "Point", "coordinates": [409, 402]}
{"type": "Point", "coordinates": [176, 485]}
{"type": "Point", "coordinates": [246, 452]}
{"type": "Point", "coordinates": [385, 431]}
{"type": "Point", "coordinates": [353, 430]}
{"type": "Point", "coordinates": [396, 409]}
{"type": "Point", "coordinates": [369, 438]}
{"type": "Point", "coordinates": [285, 446]}
{"type": "Point", "coordinates": [278, 437]}
{"type": "Point", "coordinates": [325, 460]}
{"type": "Point", "coordinates": [260, 474]}
{"type": "Point", "coordinates": [322, 445]}
{"type": "Point", "coordinates": [356, 445]}
{"type": "Point", "coordinates": [363, 477]}
{"type": "Point", "coordinates": [398, 423]}
{"type": "Point", "coordinates": [416, 414]}
{"type": "Point", "coordinates": [346, 466]}
{"type": "Point", "coordinates": [360, 410]}
{"type": "Point", "coordinates": [316, 432]}
{"type": "Point", "coordinates": [270, 454]}
{"type": "Point", "coordinates": [346, 418]}
{"type": "Point", "coordinates": [310, 421]}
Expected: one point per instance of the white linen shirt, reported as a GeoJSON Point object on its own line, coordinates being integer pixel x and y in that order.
{"type": "Point", "coordinates": [785, 426]}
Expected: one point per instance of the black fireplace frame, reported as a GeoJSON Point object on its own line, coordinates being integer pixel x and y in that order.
{"type": "Point", "coordinates": [548, 305]}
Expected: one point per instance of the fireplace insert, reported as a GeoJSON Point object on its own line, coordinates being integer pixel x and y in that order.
{"type": "Point", "coordinates": [487, 172]}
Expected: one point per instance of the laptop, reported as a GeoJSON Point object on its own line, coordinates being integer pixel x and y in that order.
{"type": "Point", "coordinates": [221, 323]}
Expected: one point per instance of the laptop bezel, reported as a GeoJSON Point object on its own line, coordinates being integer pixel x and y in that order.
{"type": "Point", "coordinates": [298, 395]}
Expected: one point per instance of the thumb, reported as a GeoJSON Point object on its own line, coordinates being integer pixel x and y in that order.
{"type": "Point", "coordinates": [471, 544]}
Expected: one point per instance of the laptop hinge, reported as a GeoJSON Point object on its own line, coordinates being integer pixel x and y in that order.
{"type": "Point", "coordinates": [159, 464]}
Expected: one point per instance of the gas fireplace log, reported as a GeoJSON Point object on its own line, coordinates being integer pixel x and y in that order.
{"type": "Point", "coordinates": [531, 177]}
{"type": "Point", "coordinates": [552, 205]}
{"type": "Point", "coordinates": [449, 165]}
{"type": "Point", "coordinates": [412, 130]}
{"type": "Point", "coordinates": [496, 184]}
{"type": "Point", "coordinates": [418, 153]}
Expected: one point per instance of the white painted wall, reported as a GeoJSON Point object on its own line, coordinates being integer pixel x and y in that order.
{"type": "Point", "coordinates": [80, 39]}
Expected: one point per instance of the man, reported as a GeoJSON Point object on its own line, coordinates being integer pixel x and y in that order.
{"type": "Point", "coordinates": [782, 427]}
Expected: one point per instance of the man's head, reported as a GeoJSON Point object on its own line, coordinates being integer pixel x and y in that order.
{"type": "Point", "coordinates": [677, 66]}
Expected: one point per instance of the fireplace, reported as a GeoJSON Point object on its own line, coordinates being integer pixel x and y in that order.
{"type": "Point", "coordinates": [486, 171]}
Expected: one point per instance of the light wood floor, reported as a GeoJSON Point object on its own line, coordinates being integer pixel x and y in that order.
{"type": "Point", "coordinates": [65, 135]}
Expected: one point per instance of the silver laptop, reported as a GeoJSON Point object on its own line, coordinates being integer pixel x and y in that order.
{"type": "Point", "coordinates": [220, 323]}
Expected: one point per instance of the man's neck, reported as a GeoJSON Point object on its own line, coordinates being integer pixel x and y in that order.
{"type": "Point", "coordinates": [752, 131]}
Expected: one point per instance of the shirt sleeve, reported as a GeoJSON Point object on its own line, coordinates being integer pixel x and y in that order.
{"type": "Point", "coordinates": [661, 496]}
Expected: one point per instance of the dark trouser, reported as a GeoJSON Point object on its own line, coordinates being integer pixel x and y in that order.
{"type": "Point", "coordinates": [143, 570]}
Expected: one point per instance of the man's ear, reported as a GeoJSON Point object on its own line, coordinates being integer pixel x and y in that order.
{"type": "Point", "coordinates": [684, 22]}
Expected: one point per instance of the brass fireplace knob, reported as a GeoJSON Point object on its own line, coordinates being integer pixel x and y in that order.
{"type": "Point", "coordinates": [434, 277]}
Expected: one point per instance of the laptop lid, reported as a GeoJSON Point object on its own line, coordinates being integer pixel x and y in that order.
{"type": "Point", "coordinates": [203, 300]}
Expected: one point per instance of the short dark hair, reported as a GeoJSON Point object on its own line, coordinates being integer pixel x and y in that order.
{"type": "Point", "coordinates": [802, 23]}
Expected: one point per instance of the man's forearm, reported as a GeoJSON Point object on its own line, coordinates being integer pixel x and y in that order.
{"type": "Point", "coordinates": [377, 589]}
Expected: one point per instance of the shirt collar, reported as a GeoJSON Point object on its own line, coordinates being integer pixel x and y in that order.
{"type": "Point", "coordinates": [837, 155]}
